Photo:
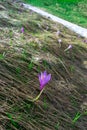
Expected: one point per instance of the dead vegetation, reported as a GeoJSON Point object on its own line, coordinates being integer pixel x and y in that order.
{"type": "Point", "coordinates": [23, 56]}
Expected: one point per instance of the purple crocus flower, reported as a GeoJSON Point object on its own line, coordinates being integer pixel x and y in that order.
{"type": "Point", "coordinates": [44, 79]}
{"type": "Point", "coordinates": [59, 40]}
{"type": "Point", "coordinates": [58, 32]}
{"type": "Point", "coordinates": [79, 36]}
{"type": "Point", "coordinates": [85, 40]}
{"type": "Point", "coordinates": [69, 47]}
{"type": "Point", "coordinates": [22, 30]}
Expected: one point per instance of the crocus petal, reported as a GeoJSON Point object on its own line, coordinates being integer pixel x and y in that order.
{"type": "Point", "coordinates": [58, 32]}
{"type": "Point", "coordinates": [69, 47]}
{"type": "Point", "coordinates": [49, 77]}
{"type": "Point", "coordinates": [85, 40]}
{"type": "Point", "coordinates": [22, 30]}
{"type": "Point", "coordinates": [59, 40]}
{"type": "Point", "coordinates": [39, 76]}
{"type": "Point", "coordinates": [45, 74]}
{"type": "Point", "coordinates": [42, 76]}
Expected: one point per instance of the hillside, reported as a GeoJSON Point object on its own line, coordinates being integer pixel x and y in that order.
{"type": "Point", "coordinates": [30, 44]}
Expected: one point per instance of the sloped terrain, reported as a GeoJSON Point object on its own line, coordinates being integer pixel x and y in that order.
{"type": "Point", "coordinates": [63, 103]}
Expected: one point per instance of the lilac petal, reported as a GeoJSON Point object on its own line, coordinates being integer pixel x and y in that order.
{"type": "Point", "coordinates": [85, 40]}
{"type": "Point", "coordinates": [45, 74]}
{"type": "Point", "coordinates": [48, 78]}
{"type": "Point", "coordinates": [42, 83]}
{"type": "Point", "coordinates": [59, 40]}
{"type": "Point", "coordinates": [42, 76]}
{"type": "Point", "coordinates": [22, 30]}
{"type": "Point", "coordinates": [39, 76]}
{"type": "Point", "coordinates": [58, 32]}
{"type": "Point", "coordinates": [70, 46]}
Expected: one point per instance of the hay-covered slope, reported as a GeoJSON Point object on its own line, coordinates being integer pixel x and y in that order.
{"type": "Point", "coordinates": [63, 103]}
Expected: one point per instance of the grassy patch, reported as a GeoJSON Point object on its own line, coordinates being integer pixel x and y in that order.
{"type": "Point", "coordinates": [70, 10]}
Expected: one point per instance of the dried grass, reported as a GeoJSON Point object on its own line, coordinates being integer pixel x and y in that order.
{"type": "Point", "coordinates": [66, 93]}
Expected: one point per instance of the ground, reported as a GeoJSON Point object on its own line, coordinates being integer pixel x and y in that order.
{"type": "Point", "coordinates": [63, 103]}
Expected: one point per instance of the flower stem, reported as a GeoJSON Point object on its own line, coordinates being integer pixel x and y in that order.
{"type": "Point", "coordinates": [37, 97]}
